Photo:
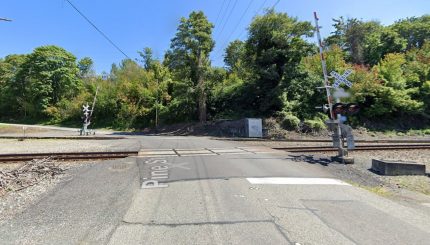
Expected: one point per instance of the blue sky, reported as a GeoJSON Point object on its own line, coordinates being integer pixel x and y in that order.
{"type": "Point", "coordinates": [135, 24]}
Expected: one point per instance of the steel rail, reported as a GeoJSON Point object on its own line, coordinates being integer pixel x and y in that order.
{"type": "Point", "coordinates": [328, 141]}
{"type": "Point", "coordinates": [63, 137]}
{"type": "Point", "coordinates": [357, 148]}
{"type": "Point", "coordinates": [66, 156]}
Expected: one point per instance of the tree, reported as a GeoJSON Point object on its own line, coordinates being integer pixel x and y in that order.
{"type": "Point", "coordinates": [85, 66]}
{"type": "Point", "coordinates": [189, 55]}
{"type": "Point", "coordinates": [274, 50]}
{"type": "Point", "coordinates": [416, 30]}
{"type": "Point", "coordinates": [12, 85]}
{"type": "Point", "coordinates": [234, 55]}
{"type": "Point", "coordinates": [52, 74]}
{"type": "Point", "coordinates": [163, 80]}
{"type": "Point", "coordinates": [384, 91]}
{"type": "Point", "coordinates": [381, 42]}
{"type": "Point", "coordinates": [135, 95]}
{"type": "Point", "coordinates": [351, 35]}
{"type": "Point", "coordinates": [39, 80]}
{"type": "Point", "coordinates": [147, 58]}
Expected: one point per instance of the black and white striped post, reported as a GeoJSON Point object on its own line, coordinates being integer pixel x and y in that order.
{"type": "Point", "coordinates": [335, 119]}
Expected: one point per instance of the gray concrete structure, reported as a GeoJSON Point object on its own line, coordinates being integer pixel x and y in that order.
{"type": "Point", "coordinates": [392, 167]}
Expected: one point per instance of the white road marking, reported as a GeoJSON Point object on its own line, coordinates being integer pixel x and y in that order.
{"type": "Point", "coordinates": [178, 165]}
{"type": "Point", "coordinates": [155, 155]}
{"type": "Point", "coordinates": [228, 150]}
{"type": "Point", "coordinates": [205, 151]}
{"type": "Point", "coordinates": [170, 152]}
{"type": "Point", "coordinates": [196, 155]}
{"type": "Point", "coordinates": [184, 152]}
{"type": "Point", "coordinates": [295, 181]}
{"type": "Point", "coordinates": [146, 150]}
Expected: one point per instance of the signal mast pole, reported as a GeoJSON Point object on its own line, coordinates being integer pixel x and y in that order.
{"type": "Point", "coordinates": [324, 68]}
{"type": "Point", "coordinates": [336, 140]}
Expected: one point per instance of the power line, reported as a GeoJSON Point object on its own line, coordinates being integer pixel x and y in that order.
{"type": "Point", "coordinates": [219, 12]}
{"type": "Point", "coordinates": [258, 11]}
{"type": "Point", "coordinates": [274, 5]}
{"type": "Point", "coordinates": [228, 17]}
{"type": "Point", "coordinates": [243, 31]}
{"type": "Point", "coordinates": [223, 14]}
{"type": "Point", "coordinates": [97, 29]}
{"type": "Point", "coordinates": [237, 25]}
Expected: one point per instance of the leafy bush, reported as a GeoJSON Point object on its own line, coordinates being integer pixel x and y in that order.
{"type": "Point", "coordinates": [289, 121]}
{"type": "Point", "coordinates": [310, 125]}
{"type": "Point", "coordinates": [314, 125]}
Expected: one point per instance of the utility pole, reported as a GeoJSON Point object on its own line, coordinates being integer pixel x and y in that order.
{"type": "Point", "coordinates": [156, 105]}
{"type": "Point", "coordinates": [94, 101]}
{"type": "Point", "coordinates": [337, 137]}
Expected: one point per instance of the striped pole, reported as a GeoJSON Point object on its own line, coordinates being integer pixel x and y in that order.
{"type": "Point", "coordinates": [327, 89]}
{"type": "Point", "coordinates": [324, 68]}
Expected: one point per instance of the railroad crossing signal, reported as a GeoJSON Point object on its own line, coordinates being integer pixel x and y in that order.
{"type": "Point", "coordinates": [87, 119]}
{"type": "Point", "coordinates": [86, 111]}
{"type": "Point", "coordinates": [339, 79]}
{"type": "Point", "coordinates": [346, 109]}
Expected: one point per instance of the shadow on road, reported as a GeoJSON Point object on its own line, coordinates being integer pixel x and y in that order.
{"type": "Point", "coordinates": [310, 159]}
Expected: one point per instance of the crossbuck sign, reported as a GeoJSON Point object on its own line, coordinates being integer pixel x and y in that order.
{"type": "Point", "coordinates": [339, 79]}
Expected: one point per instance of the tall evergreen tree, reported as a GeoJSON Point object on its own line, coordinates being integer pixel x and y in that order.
{"type": "Point", "coordinates": [189, 55]}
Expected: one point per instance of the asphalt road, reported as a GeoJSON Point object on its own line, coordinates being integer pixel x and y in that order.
{"type": "Point", "coordinates": [193, 190]}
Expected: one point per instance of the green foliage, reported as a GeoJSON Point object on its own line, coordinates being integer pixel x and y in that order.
{"type": "Point", "coordinates": [289, 121]}
{"type": "Point", "coordinates": [225, 95]}
{"type": "Point", "coordinates": [352, 35]}
{"type": "Point", "coordinates": [426, 95]}
{"type": "Point", "coordinates": [314, 125]}
{"type": "Point", "coordinates": [85, 66]}
{"type": "Point", "coordinates": [390, 71]}
{"type": "Point", "coordinates": [383, 91]}
{"type": "Point", "coordinates": [234, 56]}
{"type": "Point", "coordinates": [416, 30]}
{"type": "Point", "coordinates": [42, 79]}
{"type": "Point", "coordinates": [273, 73]}
{"type": "Point", "coordinates": [147, 58]}
{"type": "Point", "coordinates": [379, 43]}
{"type": "Point", "coordinates": [12, 85]}
{"type": "Point", "coordinates": [188, 59]}
{"type": "Point", "coordinates": [274, 50]}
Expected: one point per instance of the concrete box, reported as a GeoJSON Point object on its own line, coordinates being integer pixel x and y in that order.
{"type": "Point", "coordinates": [392, 168]}
{"type": "Point", "coordinates": [254, 127]}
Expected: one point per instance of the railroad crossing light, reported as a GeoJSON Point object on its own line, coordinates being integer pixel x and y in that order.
{"type": "Point", "coordinates": [325, 108]}
{"type": "Point", "coordinates": [346, 109]}
{"type": "Point", "coordinates": [353, 108]}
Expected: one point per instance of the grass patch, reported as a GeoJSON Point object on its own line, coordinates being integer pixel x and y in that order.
{"type": "Point", "coordinates": [419, 184]}
{"type": "Point", "coordinates": [378, 190]}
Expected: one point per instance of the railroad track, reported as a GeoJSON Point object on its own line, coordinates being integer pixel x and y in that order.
{"type": "Point", "coordinates": [357, 148]}
{"type": "Point", "coordinates": [66, 156]}
{"type": "Point", "coordinates": [329, 140]}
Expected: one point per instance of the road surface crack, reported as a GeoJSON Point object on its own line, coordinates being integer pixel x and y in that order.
{"type": "Point", "coordinates": [153, 223]}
